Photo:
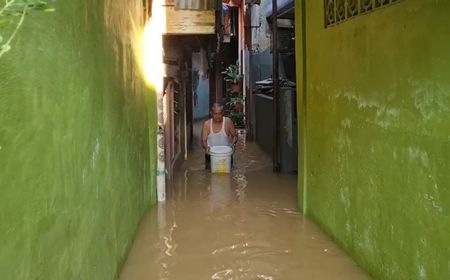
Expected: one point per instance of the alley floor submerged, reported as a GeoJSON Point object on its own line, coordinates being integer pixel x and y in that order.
{"type": "Point", "coordinates": [243, 225]}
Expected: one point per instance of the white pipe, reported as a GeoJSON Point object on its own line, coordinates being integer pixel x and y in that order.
{"type": "Point", "coordinates": [158, 21]}
{"type": "Point", "coordinates": [242, 54]}
{"type": "Point", "coordinates": [161, 166]}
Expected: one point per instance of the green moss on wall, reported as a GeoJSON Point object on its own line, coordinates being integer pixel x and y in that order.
{"type": "Point", "coordinates": [77, 142]}
{"type": "Point", "coordinates": [377, 135]}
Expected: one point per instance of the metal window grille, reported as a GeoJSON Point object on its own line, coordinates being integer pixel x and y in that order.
{"type": "Point", "coordinates": [337, 11]}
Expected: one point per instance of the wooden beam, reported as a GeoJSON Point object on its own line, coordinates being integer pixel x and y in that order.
{"type": "Point", "coordinates": [186, 22]}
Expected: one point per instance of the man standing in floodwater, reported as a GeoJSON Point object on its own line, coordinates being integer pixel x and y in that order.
{"type": "Point", "coordinates": [217, 131]}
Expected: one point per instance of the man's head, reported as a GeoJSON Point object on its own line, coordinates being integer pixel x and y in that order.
{"type": "Point", "coordinates": [217, 112]}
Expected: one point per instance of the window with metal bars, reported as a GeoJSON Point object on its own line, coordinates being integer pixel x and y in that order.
{"type": "Point", "coordinates": [337, 11]}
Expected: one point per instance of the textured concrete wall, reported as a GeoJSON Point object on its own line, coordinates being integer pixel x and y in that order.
{"type": "Point", "coordinates": [376, 130]}
{"type": "Point", "coordinates": [77, 139]}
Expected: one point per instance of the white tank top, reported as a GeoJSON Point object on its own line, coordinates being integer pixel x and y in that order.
{"type": "Point", "coordinates": [220, 138]}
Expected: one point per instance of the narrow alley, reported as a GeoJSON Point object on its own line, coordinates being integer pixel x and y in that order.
{"type": "Point", "coordinates": [341, 169]}
{"type": "Point", "coordinates": [243, 225]}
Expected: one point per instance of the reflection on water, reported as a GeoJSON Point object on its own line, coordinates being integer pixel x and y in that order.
{"type": "Point", "coordinates": [241, 185]}
{"type": "Point", "coordinates": [243, 225]}
{"type": "Point", "coordinates": [221, 194]}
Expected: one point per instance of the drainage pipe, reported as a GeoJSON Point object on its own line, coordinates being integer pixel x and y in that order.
{"type": "Point", "coordinates": [161, 165]}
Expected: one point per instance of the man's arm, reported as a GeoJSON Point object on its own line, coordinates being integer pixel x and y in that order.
{"type": "Point", "coordinates": [205, 133]}
{"type": "Point", "coordinates": [232, 131]}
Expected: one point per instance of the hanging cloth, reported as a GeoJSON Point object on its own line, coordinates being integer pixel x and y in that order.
{"type": "Point", "coordinates": [203, 67]}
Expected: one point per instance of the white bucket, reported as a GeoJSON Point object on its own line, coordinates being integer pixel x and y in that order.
{"type": "Point", "coordinates": [220, 159]}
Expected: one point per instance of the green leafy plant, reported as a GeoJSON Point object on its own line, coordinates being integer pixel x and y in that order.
{"type": "Point", "coordinates": [232, 73]}
{"type": "Point", "coordinates": [234, 108]}
{"type": "Point", "coordinates": [238, 119]}
{"type": "Point", "coordinates": [234, 101]}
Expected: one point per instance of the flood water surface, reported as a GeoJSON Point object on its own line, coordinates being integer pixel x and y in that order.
{"type": "Point", "coordinates": [244, 225]}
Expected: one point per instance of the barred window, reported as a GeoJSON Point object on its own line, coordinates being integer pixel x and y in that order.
{"type": "Point", "coordinates": [337, 11]}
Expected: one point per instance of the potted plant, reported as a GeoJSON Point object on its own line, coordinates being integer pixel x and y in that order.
{"type": "Point", "coordinates": [238, 119]}
{"type": "Point", "coordinates": [233, 77]}
{"type": "Point", "coordinates": [236, 103]}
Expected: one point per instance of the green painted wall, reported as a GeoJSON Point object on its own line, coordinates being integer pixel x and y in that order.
{"type": "Point", "coordinates": [377, 134]}
{"type": "Point", "coordinates": [77, 139]}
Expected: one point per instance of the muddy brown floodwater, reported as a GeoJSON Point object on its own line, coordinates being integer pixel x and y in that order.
{"type": "Point", "coordinates": [244, 225]}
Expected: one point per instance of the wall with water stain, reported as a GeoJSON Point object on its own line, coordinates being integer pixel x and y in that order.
{"type": "Point", "coordinates": [377, 135]}
{"type": "Point", "coordinates": [77, 141]}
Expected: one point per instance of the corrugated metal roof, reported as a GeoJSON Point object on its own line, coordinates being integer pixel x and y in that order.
{"type": "Point", "coordinates": [195, 4]}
